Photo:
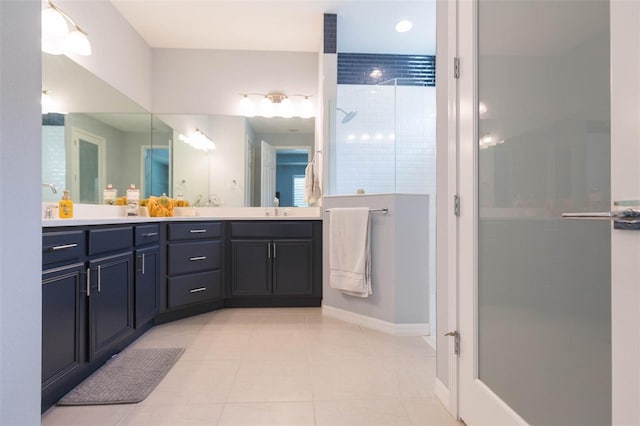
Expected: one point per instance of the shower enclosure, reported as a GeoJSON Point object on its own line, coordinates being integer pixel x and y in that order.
{"type": "Point", "coordinates": [384, 139]}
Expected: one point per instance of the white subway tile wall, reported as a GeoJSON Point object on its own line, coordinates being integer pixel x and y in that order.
{"type": "Point", "coordinates": [389, 146]}
{"type": "Point", "coordinates": [54, 168]}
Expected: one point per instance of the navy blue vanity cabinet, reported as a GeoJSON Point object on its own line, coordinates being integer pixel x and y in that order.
{"type": "Point", "coordinates": [63, 313]}
{"type": "Point", "coordinates": [194, 265]}
{"type": "Point", "coordinates": [275, 263]}
{"type": "Point", "coordinates": [147, 273]}
{"type": "Point", "coordinates": [111, 290]}
{"type": "Point", "coordinates": [251, 267]}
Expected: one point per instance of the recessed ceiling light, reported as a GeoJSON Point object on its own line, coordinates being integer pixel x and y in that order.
{"type": "Point", "coordinates": [404, 26]}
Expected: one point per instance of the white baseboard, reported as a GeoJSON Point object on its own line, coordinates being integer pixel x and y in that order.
{"type": "Point", "coordinates": [420, 329]}
{"type": "Point", "coordinates": [442, 393]}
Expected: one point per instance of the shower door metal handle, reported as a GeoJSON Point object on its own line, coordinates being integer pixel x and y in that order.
{"type": "Point", "coordinates": [626, 219]}
{"type": "Point", "coordinates": [626, 213]}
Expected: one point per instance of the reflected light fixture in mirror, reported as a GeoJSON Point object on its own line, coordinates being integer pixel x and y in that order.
{"type": "Point", "coordinates": [198, 140]}
{"type": "Point", "coordinates": [49, 103]}
{"type": "Point", "coordinates": [404, 26]}
{"type": "Point", "coordinates": [56, 37]}
{"type": "Point", "coordinates": [275, 105]}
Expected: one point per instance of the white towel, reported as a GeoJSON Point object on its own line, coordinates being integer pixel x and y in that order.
{"type": "Point", "coordinates": [350, 251]}
{"type": "Point", "coordinates": [312, 192]}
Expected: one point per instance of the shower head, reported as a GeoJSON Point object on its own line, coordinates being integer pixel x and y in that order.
{"type": "Point", "coordinates": [348, 116]}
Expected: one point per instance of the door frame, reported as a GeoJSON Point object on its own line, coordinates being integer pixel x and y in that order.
{"type": "Point", "coordinates": [76, 134]}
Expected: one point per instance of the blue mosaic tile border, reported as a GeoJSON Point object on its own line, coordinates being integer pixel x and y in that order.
{"type": "Point", "coordinates": [53, 119]}
{"type": "Point", "coordinates": [330, 33]}
{"type": "Point", "coordinates": [410, 70]}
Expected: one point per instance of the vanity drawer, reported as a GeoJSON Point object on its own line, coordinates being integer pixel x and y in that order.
{"type": "Point", "coordinates": [194, 231]}
{"type": "Point", "coordinates": [110, 239]}
{"type": "Point", "coordinates": [147, 234]}
{"type": "Point", "coordinates": [272, 229]}
{"type": "Point", "coordinates": [194, 288]}
{"type": "Point", "coordinates": [193, 257]}
{"type": "Point", "coordinates": [59, 246]}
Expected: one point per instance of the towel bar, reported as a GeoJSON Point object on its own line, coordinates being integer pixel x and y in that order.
{"type": "Point", "coordinates": [383, 211]}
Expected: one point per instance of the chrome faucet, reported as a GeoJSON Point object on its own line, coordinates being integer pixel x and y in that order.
{"type": "Point", "coordinates": [276, 203]}
{"type": "Point", "coordinates": [52, 186]}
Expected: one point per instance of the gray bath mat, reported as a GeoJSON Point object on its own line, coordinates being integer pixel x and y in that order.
{"type": "Point", "coordinates": [126, 378]}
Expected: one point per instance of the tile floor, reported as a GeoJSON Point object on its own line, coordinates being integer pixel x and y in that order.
{"type": "Point", "coordinates": [290, 366]}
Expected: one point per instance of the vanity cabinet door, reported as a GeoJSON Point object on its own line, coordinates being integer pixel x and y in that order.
{"type": "Point", "coordinates": [63, 307]}
{"type": "Point", "coordinates": [147, 280]}
{"type": "Point", "coordinates": [251, 267]}
{"type": "Point", "coordinates": [292, 267]}
{"type": "Point", "coordinates": [110, 302]}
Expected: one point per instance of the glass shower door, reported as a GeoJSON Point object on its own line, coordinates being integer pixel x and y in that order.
{"type": "Point", "coordinates": [541, 293]}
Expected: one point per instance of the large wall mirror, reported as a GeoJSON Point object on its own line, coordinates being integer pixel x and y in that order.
{"type": "Point", "coordinates": [93, 135]}
{"type": "Point", "coordinates": [254, 161]}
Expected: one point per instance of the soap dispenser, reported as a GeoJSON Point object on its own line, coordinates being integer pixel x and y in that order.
{"type": "Point", "coordinates": [109, 195]}
{"type": "Point", "coordinates": [133, 200]}
{"type": "Point", "coordinates": [66, 206]}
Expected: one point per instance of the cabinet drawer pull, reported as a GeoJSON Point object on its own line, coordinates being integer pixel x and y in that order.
{"type": "Point", "coordinates": [275, 250]}
{"type": "Point", "coordinates": [197, 258]}
{"type": "Point", "coordinates": [99, 276]}
{"type": "Point", "coordinates": [150, 234]}
{"type": "Point", "coordinates": [64, 247]}
{"type": "Point", "coordinates": [197, 231]}
{"type": "Point", "coordinates": [197, 290]}
{"type": "Point", "coordinates": [143, 263]}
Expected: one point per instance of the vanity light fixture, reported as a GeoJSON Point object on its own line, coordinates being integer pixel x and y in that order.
{"type": "Point", "coordinates": [198, 140]}
{"type": "Point", "coordinates": [56, 37]}
{"type": "Point", "coordinates": [49, 103]}
{"type": "Point", "coordinates": [275, 105]}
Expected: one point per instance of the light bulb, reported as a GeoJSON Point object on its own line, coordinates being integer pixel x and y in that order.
{"type": "Point", "coordinates": [78, 43]}
{"type": "Point", "coordinates": [54, 44]}
{"type": "Point", "coordinates": [53, 23]}
{"type": "Point", "coordinates": [306, 108]}
{"type": "Point", "coordinates": [266, 107]}
{"type": "Point", "coordinates": [482, 107]}
{"type": "Point", "coordinates": [47, 102]}
{"type": "Point", "coordinates": [246, 107]}
{"type": "Point", "coordinates": [286, 108]}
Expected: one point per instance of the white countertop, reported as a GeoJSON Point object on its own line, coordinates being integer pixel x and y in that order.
{"type": "Point", "coordinates": [87, 214]}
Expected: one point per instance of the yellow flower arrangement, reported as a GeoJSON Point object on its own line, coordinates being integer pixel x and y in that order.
{"type": "Point", "coordinates": [157, 206]}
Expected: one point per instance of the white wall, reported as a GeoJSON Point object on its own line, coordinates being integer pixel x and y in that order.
{"type": "Point", "coordinates": [20, 222]}
{"type": "Point", "coordinates": [192, 81]}
{"type": "Point", "coordinates": [119, 56]}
